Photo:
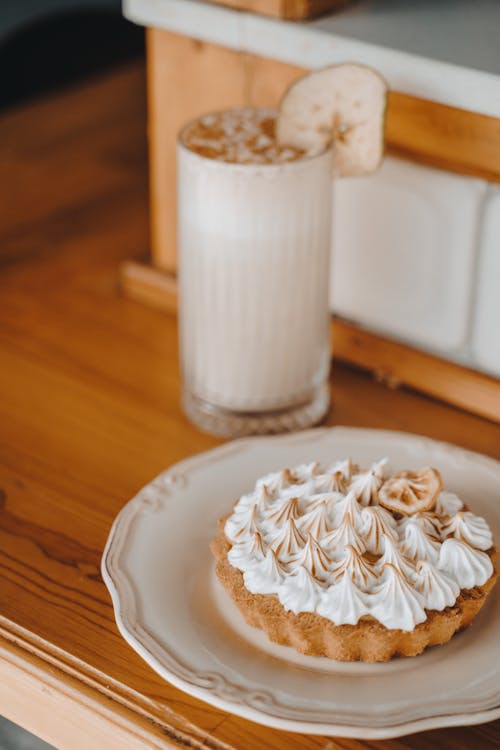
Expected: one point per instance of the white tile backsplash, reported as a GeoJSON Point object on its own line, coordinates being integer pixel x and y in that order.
{"type": "Point", "coordinates": [404, 246]}
{"type": "Point", "coordinates": [486, 331]}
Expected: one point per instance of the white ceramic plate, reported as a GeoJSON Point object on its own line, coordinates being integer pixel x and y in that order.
{"type": "Point", "coordinates": [169, 607]}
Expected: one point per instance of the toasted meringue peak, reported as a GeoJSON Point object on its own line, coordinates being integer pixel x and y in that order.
{"type": "Point", "coordinates": [346, 468]}
{"type": "Point", "coordinates": [333, 482]}
{"type": "Point", "coordinates": [367, 484]}
{"type": "Point", "coordinates": [343, 602]}
{"type": "Point", "coordinates": [437, 587]}
{"type": "Point", "coordinates": [315, 521]}
{"type": "Point", "coordinates": [418, 545]}
{"type": "Point", "coordinates": [276, 482]}
{"type": "Point", "coordinates": [393, 556]}
{"type": "Point", "coordinates": [263, 499]}
{"type": "Point", "coordinates": [332, 500]}
{"type": "Point", "coordinates": [468, 566]}
{"type": "Point", "coordinates": [244, 554]}
{"type": "Point", "coordinates": [314, 558]}
{"type": "Point", "coordinates": [381, 468]}
{"type": "Point", "coordinates": [245, 502]}
{"type": "Point", "coordinates": [273, 565]}
{"type": "Point", "coordinates": [430, 524]}
{"type": "Point", "coordinates": [407, 608]}
{"type": "Point", "coordinates": [283, 511]}
{"type": "Point", "coordinates": [304, 472]}
{"type": "Point", "coordinates": [289, 543]}
{"type": "Point", "coordinates": [295, 531]}
{"type": "Point", "coordinates": [344, 534]}
{"type": "Point", "coordinates": [469, 528]}
{"type": "Point", "coordinates": [241, 524]}
{"type": "Point", "coordinates": [354, 565]}
{"type": "Point", "coordinates": [409, 492]}
{"type": "Point", "coordinates": [349, 505]}
{"type": "Point", "coordinates": [376, 524]}
{"type": "Point", "coordinates": [256, 547]}
{"type": "Point", "coordinates": [447, 504]}
{"type": "Point", "coordinates": [266, 576]}
{"type": "Point", "coordinates": [285, 479]}
{"type": "Point", "coordinates": [300, 592]}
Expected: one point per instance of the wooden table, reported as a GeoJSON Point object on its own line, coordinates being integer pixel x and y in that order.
{"type": "Point", "coordinates": [89, 411]}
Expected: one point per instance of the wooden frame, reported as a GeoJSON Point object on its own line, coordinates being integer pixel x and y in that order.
{"type": "Point", "coordinates": [293, 10]}
{"type": "Point", "coordinates": [187, 77]}
{"type": "Point", "coordinates": [393, 363]}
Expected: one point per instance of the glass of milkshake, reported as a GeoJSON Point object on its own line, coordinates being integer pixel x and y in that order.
{"type": "Point", "coordinates": [254, 250]}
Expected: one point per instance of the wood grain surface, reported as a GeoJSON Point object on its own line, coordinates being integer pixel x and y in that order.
{"type": "Point", "coordinates": [89, 412]}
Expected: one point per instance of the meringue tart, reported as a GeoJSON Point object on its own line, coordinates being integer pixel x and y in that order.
{"type": "Point", "coordinates": [355, 564]}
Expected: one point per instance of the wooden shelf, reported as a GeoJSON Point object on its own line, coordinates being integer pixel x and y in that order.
{"type": "Point", "coordinates": [293, 10]}
{"type": "Point", "coordinates": [391, 362]}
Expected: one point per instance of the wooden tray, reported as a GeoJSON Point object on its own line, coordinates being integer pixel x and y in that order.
{"type": "Point", "coordinates": [294, 10]}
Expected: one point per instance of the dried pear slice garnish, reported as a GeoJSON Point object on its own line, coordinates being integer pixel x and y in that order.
{"type": "Point", "coordinates": [342, 104]}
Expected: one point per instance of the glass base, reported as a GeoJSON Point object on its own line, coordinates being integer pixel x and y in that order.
{"type": "Point", "coordinates": [229, 423]}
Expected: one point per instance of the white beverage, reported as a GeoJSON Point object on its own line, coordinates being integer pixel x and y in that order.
{"type": "Point", "coordinates": [254, 248]}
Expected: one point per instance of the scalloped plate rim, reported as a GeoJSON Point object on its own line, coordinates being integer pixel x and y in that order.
{"type": "Point", "coordinates": [135, 638]}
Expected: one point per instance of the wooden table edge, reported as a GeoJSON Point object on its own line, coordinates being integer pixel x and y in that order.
{"type": "Point", "coordinates": [51, 694]}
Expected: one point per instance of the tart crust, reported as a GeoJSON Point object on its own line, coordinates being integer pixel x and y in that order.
{"type": "Point", "coordinates": [368, 640]}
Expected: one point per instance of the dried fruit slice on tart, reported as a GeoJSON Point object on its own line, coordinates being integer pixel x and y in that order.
{"type": "Point", "coordinates": [410, 492]}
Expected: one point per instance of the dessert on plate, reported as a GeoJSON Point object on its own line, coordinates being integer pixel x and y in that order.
{"type": "Point", "coordinates": [355, 564]}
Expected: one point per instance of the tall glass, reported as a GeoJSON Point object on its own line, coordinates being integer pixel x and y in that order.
{"type": "Point", "coordinates": [254, 253]}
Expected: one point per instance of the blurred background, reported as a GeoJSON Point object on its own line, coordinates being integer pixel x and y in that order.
{"type": "Point", "coordinates": [46, 45]}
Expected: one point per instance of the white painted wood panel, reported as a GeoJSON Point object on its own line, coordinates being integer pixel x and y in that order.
{"type": "Point", "coordinates": [403, 253]}
{"type": "Point", "coordinates": [486, 332]}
